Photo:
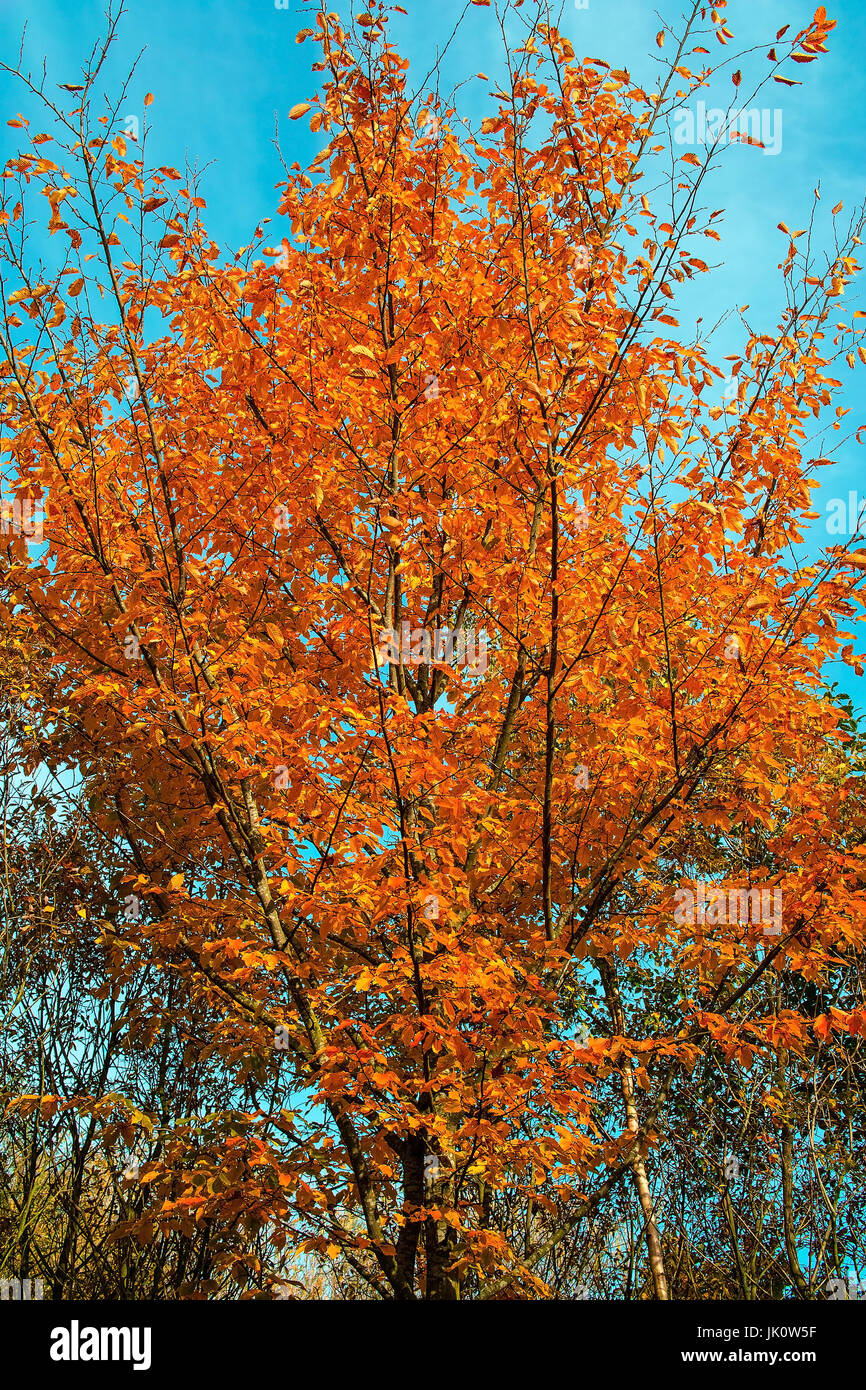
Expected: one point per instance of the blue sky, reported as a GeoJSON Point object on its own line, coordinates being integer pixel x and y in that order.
{"type": "Point", "coordinates": [223, 70]}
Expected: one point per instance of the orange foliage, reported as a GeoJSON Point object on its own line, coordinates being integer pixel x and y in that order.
{"type": "Point", "coordinates": [455, 397]}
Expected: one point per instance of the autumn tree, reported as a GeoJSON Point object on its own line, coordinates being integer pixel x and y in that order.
{"type": "Point", "coordinates": [425, 627]}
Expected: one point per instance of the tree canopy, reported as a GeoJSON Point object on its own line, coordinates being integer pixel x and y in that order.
{"type": "Point", "coordinates": [433, 855]}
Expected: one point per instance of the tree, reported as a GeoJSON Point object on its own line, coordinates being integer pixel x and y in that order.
{"type": "Point", "coordinates": [426, 631]}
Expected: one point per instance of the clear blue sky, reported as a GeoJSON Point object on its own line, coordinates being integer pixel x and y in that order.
{"type": "Point", "coordinates": [222, 70]}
